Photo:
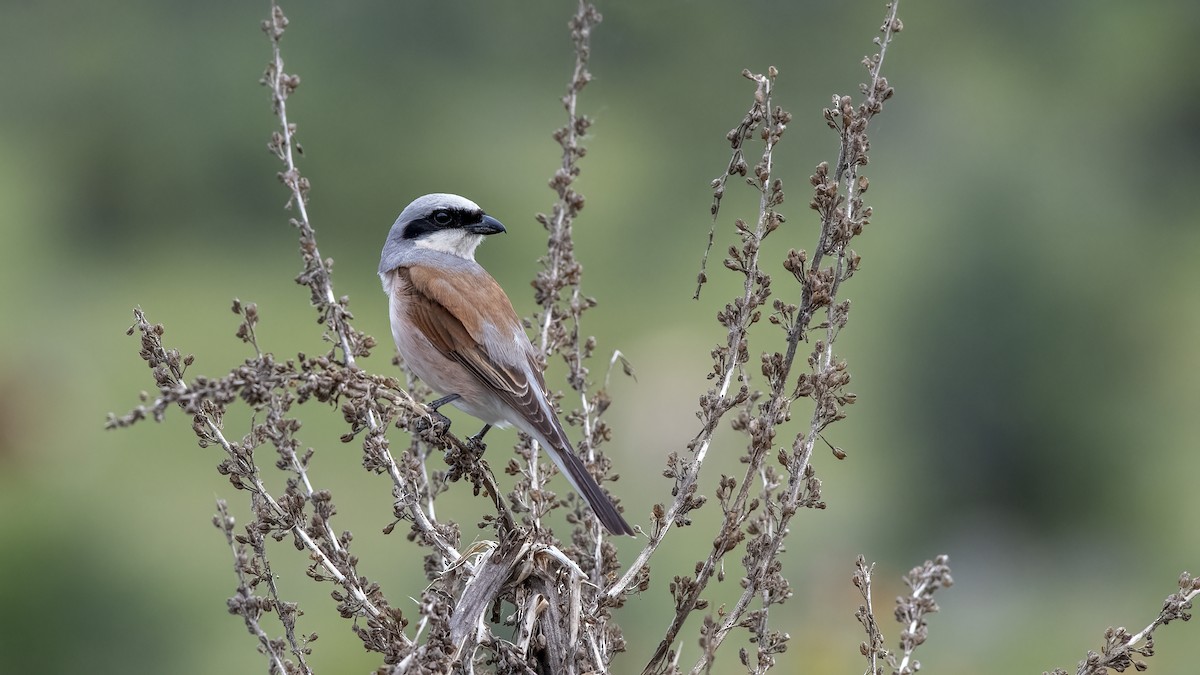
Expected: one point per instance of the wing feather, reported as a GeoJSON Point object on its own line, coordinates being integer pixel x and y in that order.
{"type": "Point", "coordinates": [462, 330]}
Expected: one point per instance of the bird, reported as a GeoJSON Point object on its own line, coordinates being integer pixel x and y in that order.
{"type": "Point", "coordinates": [457, 331]}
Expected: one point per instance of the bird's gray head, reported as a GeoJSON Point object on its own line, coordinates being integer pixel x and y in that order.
{"type": "Point", "coordinates": [439, 222]}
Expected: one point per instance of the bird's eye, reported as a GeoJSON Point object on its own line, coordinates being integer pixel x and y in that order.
{"type": "Point", "coordinates": [442, 218]}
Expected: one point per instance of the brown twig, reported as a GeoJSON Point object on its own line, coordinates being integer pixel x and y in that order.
{"type": "Point", "coordinates": [251, 607]}
{"type": "Point", "coordinates": [316, 276]}
{"type": "Point", "coordinates": [762, 521]}
{"type": "Point", "coordinates": [1121, 648]}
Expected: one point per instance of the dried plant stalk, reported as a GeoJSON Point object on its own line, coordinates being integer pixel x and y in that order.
{"type": "Point", "coordinates": [1121, 649]}
{"type": "Point", "coordinates": [564, 624]}
{"type": "Point", "coordinates": [758, 506]}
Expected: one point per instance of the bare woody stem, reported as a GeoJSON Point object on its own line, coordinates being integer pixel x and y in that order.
{"type": "Point", "coordinates": [687, 479]}
{"type": "Point", "coordinates": [560, 258]}
{"type": "Point", "coordinates": [562, 273]}
{"type": "Point", "coordinates": [295, 526]}
{"type": "Point", "coordinates": [835, 233]}
{"type": "Point", "coordinates": [769, 197]}
{"type": "Point", "coordinates": [1121, 649]}
{"type": "Point", "coordinates": [317, 275]}
{"type": "Point", "coordinates": [250, 607]}
{"type": "Point", "coordinates": [819, 289]}
{"type": "Point", "coordinates": [283, 143]}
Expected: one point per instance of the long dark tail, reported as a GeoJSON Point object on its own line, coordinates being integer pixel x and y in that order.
{"type": "Point", "coordinates": [579, 477]}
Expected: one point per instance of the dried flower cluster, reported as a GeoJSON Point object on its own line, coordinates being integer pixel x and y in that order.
{"type": "Point", "coordinates": [910, 612]}
{"type": "Point", "coordinates": [777, 481]}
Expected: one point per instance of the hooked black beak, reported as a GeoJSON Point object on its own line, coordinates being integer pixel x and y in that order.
{"type": "Point", "coordinates": [488, 225]}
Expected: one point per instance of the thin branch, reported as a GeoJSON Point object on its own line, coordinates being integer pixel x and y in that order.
{"type": "Point", "coordinates": [872, 648]}
{"type": "Point", "coordinates": [251, 607]}
{"type": "Point", "coordinates": [1120, 647]}
{"type": "Point", "coordinates": [562, 272]}
{"type": "Point", "coordinates": [717, 401]}
{"type": "Point", "coordinates": [283, 143]}
{"type": "Point", "coordinates": [317, 274]}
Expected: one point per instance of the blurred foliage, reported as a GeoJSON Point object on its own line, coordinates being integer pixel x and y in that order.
{"type": "Point", "coordinates": [1023, 335]}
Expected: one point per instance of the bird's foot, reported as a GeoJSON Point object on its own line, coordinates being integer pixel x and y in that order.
{"type": "Point", "coordinates": [436, 424]}
{"type": "Point", "coordinates": [476, 442]}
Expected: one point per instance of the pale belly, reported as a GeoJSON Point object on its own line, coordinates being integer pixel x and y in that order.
{"type": "Point", "coordinates": [444, 375]}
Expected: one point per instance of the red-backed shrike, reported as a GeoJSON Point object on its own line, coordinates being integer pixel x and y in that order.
{"type": "Point", "coordinates": [458, 332]}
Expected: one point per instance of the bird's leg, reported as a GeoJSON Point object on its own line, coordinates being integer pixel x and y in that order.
{"type": "Point", "coordinates": [439, 420]}
{"type": "Point", "coordinates": [442, 401]}
{"type": "Point", "coordinates": [477, 439]}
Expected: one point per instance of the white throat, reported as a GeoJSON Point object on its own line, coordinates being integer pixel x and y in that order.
{"type": "Point", "coordinates": [455, 242]}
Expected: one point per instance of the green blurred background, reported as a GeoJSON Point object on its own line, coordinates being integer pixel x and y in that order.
{"type": "Point", "coordinates": [1023, 337]}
